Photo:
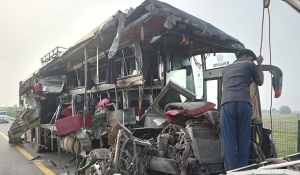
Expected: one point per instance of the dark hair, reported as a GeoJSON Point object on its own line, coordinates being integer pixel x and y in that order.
{"type": "Point", "coordinates": [246, 52]}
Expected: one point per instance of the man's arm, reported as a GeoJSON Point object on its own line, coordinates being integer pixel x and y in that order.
{"type": "Point", "coordinates": [260, 81]}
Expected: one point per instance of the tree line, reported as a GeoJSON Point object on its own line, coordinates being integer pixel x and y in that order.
{"type": "Point", "coordinates": [11, 110]}
{"type": "Point", "coordinates": [282, 110]}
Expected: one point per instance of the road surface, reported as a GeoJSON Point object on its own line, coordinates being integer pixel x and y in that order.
{"type": "Point", "coordinates": [14, 160]}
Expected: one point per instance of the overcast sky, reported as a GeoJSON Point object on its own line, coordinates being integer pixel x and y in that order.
{"type": "Point", "coordinates": [31, 28]}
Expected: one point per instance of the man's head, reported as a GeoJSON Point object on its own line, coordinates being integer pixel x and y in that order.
{"type": "Point", "coordinates": [246, 54]}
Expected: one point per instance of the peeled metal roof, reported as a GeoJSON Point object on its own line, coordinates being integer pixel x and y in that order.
{"type": "Point", "coordinates": [195, 27]}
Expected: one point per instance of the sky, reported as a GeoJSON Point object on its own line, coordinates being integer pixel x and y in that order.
{"type": "Point", "coordinates": [30, 29]}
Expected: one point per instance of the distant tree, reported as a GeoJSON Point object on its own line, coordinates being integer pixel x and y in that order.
{"type": "Point", "coordinates": [285, 110]}
{"type": "Point", "coordinates": [265, 111]}
{"type": "Point", "coordinates": [275, 111]}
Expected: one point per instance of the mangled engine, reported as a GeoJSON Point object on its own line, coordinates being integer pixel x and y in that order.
{"type": "Point", "coordinates": [191, 138]}
{"type": "Point", "coordinates": [187, 142]}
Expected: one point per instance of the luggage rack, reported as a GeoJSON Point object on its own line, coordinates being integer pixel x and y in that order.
{"type": "Point", "coordinates": [55, 53]}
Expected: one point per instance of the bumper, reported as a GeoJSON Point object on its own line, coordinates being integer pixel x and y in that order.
{"type": "Point", "coordinates": [4, 120]}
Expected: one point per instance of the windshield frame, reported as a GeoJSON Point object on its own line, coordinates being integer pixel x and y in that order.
{"type": "Point", "coordinates": [3, 112]}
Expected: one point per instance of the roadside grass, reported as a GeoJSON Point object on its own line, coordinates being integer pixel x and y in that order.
{"type": "Point", "coordinates": [285, 132]}
{"type": "Point", "coordinates": [281, 118]}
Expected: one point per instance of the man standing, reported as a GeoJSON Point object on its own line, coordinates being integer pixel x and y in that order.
{"type": "Point", "coordinates": [236, 110]}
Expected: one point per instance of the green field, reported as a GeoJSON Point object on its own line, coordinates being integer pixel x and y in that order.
{"type": "Point", "coordinates": [285, 132]}
{"type": "Point", "coordinates": [281, 118]}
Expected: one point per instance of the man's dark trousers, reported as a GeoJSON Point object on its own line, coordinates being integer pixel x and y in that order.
{"type": "Point", "coordinates": [236, 133]}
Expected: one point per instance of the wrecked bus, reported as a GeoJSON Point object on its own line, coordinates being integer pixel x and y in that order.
{"type": "Point", "coordinates": [132, 96]}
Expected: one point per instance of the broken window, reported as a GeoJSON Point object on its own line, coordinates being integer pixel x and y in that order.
{"type": "Point", "coordinates": [125, 67]}
{"type": "Point", "coordinates": [125, 62]}
{"type": "Point", "coordinates": [75, 78]}
{"type": "Point", "coordinates": [181, 72]}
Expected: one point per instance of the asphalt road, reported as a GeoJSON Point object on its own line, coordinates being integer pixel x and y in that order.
{"type": "Point", "coordinates": [14, 160]}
